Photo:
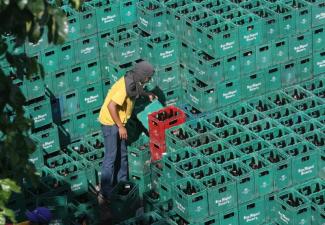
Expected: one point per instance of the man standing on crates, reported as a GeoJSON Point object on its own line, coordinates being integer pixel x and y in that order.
{"type": "Point", "coordinates": [114, 113]}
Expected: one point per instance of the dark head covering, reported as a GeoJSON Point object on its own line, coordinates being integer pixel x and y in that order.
{"type": "Point", "coordinates": [40, 215]}
{"type": "Point", "coordinates": [135, 79]}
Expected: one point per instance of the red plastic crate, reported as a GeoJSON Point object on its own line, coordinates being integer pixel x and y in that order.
{"type": "Point", "coordinates": [157, 150]}
{"type": "Point", "coordinates": [157, 127]}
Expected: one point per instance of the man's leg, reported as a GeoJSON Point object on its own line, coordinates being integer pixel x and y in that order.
{"type": "Point", "coordinates": [110, 134]}
{"type": "Point", "coordinates": [123, 170]}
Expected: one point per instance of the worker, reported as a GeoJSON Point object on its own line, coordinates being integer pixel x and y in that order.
{"type": "Point", "coordinates": [114, 114]}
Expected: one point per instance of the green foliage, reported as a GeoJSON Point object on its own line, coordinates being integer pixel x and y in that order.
{"type": "Point", "coordinates": [6, 188]}
{"type": "Point", "coordinates": [25, 20]}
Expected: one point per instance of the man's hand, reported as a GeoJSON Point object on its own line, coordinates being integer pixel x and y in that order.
{"type": "Point", "coordinates": [152, 97]}
{"type": "Point", "coordinates": [123, 133]}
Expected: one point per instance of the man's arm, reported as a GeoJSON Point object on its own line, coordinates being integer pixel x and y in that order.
{"type": "Point", "coordinates": [112, 108]}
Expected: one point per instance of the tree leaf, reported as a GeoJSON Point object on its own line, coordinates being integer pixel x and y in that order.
{"type": "Point", "coordinates": [36, 7]}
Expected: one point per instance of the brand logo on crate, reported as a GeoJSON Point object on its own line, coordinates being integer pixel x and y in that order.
{"type": "Point", "coordinates": [143, 21]}
{"type": "Point", "coordinates": [33, 160]}
{"type": "Point", "coordinates": [48, 144]}
{"type": "Point", "coordinates": [169, 79]}
{"type": "Point", "coordinates": [254, 87]}
{"type": "Point", "coordinates": [229, 94]}
{"type": "Point", "coordinates": [227, 45]}
{"type": "Point", "coordinates": [194, 99]}
{"type": "Point", "coordinates": [91, 99]}
{"type": "Point", "coordinates": [252, 217]}
{"type": "Point", "coordinates": [306, 170]}
{"type": "Point", "coordinates": [320, 16]}
{"type": "Point", "coordinates": [301, 48]}
{"type": "Point", "coordinates": [180, 206]}
{"type": "Point", "coordinates": [245, 191]}
{"type": "Point", "coordinates": [283, 177]}
{"type": "Point", "coordinates": [76, 187]}
{"type": "Point", "coordinates": [166, 54]}
{"type": "Point", "coordinates": [251, 37]}
{"type": "Point", "coordinates": [224, 201]}
{"type": "Point", "coordinates": [87, 50]}
{"type": "Point", "coordinates": [108, 19]}
{"type": "Point", "coordinates": [321, 63]}
{"type": "Point", "coordinates": [198, 209]}
{"type": "Point", "coordinates": [40, 118]}
{"type": "Point", "coordinates": [128, 53]}
{"type": "Point", "coordinates": [284, 218]}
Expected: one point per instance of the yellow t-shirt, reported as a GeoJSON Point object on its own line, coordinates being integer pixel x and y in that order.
{"type": "Point", "coordinates": [117, 94]}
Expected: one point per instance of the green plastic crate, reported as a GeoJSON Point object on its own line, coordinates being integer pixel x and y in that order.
{"type": "Point", "coordinates": [304, 69]}
{"type": "Point", "coordinates": [40, 112]}
{"type": "Point", "coordinates": [315, 137]}
{"type": "Point", "coordinates": [203, 171]}
{"type": "Point", "coordinates": [35, 87]}
{"type": "Point", "coordinates": [167, 77]}
{"type": "Point", "coordinates": [81, 125]}
{"type": "Point", "coordinates": [310, 188]}
{"type": "Point", "coordinates": [286, 214]}
{"type": "Point", "coordinates": [147, 218]}
{"type": "Point", "coordinates": [244, 178]}
{"type": "Point", "coordinates": [91, 96]}
{"type": "Point", "coordinates": [306, 127]}
{"type": "Point", "coordinates": [279, 98]}
{"type": "Point", "coordinates": [50, 59]}
{"type": "Point", "coordinates": [76, 76]}
{"type": "Point", "coordinates": [228, 130]}
{"type": "Point", "coordinates": [261, 104]}
{"type": "Point", "coordinates": [75, 176]}
{"type": "Point", "coordinates": [222, 39]}
{"type": "Point", "coordinates": [103, 38]}
{"type": "Point", "coordinates": [151, 199]}
{"type": "Point", "coordinates": [286, 18]}
{"type": "Point", "coordinates": [201, 29]}
{"type": "Point", "coordinates": [87, 18]}
{"type": "Point", "coordinates": [128, 11]}
{"type": "Point", "coordinates": [143, 181]}
{"type": "Point", "coordinates": [95, 125]}
{"type": "Point", "coordinates": [318, 63]}
{"type": "Point", "coordinates": [317, 208]}
{"type": "Point", "coordinates": [248, 61]}
{"type": "Point", "coordinates": [229, 217]}
{"type": "Point", "coordinates": [300, 45]}
{"type": "Point", "coordinates": [229, 92]}
{"type": "Point", "coordinates": [263, 173]}
{"type": "Point", "coordinates": [224, 156]}
{"type": "Point", "coordinates": [184, 167]}
{"type": "Point", "coordinates": [42, 43]}
{"type": "Point", "coordinates": [294, 119]}
{"type": "Point", "coordinates": [264, 125]}
{"type": "Point", "coordinates": [207, 68]}
{"type": "Point", "coordinates": [270, 205]}
{"type": "Point", "coordinates": [107, 15]}
{"type": "Point", "coordinates": [253, 85]}
{"type": "Point", "coordinates": [303, 14]}
{"type": "Point", "coordinates": [123, 47]}
{"type": "Point", "coordinates": [161, 49]}
{"type": "Point", "coordinates": [176, 137]}
{"type": "Point", "coordinates": [318, 36]}
{"type": "Point", "coordinates": [73, 23]}
{"type": "Point", "coordinates": [254, 147]}
{"type": "Point", "coordinates": [66, 55]}
{"type": "Point", "coordinates": [189, 32]}
{"type": "Point", "coordinates": [270, 29]}
{"type": "Point", "coordinates": [218, 120]}
{"type": "Point", "coordinates": [305, 164]}
{"type": "Point", "coordinates": [249, 30]}
{"type": "Point", "coordinates": [281, 112]}
{"type": "Point", "coordinates": [252, 212]}
{"type": "Point", "coordinates": [201, 140]}
{"type": "Point", "coordinates": [151, 16]}
{"type": "Point", "coordinates": [317, 9]}
{"type": "Point", "coordinates": [316, 113]}
{"type": "Point", "coordinates": [139, 155]}
{"type": "Point", "coordinates": [69, 103]}
{"type": "Point", "coordinates": [92, 71]}
{"type": "Point", "coordinates": [48, 138]}
{"type": "Point", "coordinates": [289, 73]}
{"type": "Point", "coordinates": [240, 109]}
{"type": "Point", "coordinates": [37, 158]}
{"type": "Point", "coordinates": [199, 126]}
{"type": "Point", "coordinates": [248, 118]}
{"type": "Point", "coordinates": [280, 50]}
{"type": "Point", "coordinates": [263, 56]}
{"type": "Point", "coordinates": [193, 206]}
{"type": "Point", "coordinates": [222, 194]}
{"type": "Point", "coordinates": [60, 82]}
{"type": "Point", "coordinates": [86, 48]}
